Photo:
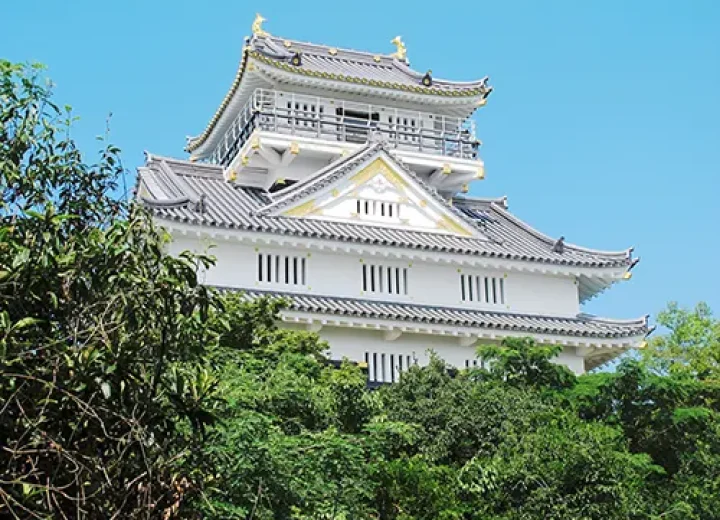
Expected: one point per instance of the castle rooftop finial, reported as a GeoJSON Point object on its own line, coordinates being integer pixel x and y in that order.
{"type": "Point", "coordinates": [401, 52]}
{"type": "Point", "coordinates": [257, 26]}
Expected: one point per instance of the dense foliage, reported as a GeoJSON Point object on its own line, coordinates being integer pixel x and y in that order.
{"type": "Point", "coordinates": [127, 390]}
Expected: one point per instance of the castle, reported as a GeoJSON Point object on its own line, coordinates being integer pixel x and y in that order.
{"type": "Point", "coordinates": [335, 178]}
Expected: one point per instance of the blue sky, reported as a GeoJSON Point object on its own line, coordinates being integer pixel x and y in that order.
{"type": "Point", "coordinates": [604, 125]}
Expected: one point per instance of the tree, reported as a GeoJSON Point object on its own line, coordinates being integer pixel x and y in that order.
{"type": "Point", "coordinates": [523, 363]}
{"type": "Point", "coordinates": [691, 345]}
{"type": "Point", "coordinates": [99, 330]}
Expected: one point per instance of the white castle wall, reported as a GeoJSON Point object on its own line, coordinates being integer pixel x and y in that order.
{"type": "Point", "coordinates": [365, 345]}
{"type": "Point", "coordinates": [428, 283]}
{"type": "Point", "coordinates": [431, 284]}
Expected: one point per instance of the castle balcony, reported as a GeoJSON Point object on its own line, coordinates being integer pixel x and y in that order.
{"type": "Point", "coordinates": [328, 120]}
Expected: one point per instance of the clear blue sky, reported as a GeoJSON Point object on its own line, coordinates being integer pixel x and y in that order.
{"type": "Point", "coordinates": [604, 125]}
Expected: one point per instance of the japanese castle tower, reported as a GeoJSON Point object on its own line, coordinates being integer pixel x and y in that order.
{"type": "Point", "coordinates": [335, 178]}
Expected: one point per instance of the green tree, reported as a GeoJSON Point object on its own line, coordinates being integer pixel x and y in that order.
{"type": "Point", "coordinates": [691, 345]}
{"type": "Point", "coordinates": [522, 362]}
{"type": "Point", "coordinates": [95, 421]}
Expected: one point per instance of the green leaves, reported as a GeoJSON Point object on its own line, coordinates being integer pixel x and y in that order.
{"type": "Point", "coordinates": [691, 346]}
{"type": "Point", "coordinates": [93, 316]}
{"type": "Point", "coordinates": [522, 362]}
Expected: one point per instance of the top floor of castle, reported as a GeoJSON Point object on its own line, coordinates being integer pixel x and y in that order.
{"type": "Point", "coordinates": [328, 101]}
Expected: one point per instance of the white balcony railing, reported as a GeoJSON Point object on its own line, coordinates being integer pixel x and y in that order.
{"type": "Point", "coordinates": [340, 120]}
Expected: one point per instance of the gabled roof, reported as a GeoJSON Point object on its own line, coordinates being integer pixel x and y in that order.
{"type": "Point", "coordinates": [229, 206]}
{"type": "Point", "coordinates": [376, 149]}
{"type": "Point", "coordinates": [273, 58]}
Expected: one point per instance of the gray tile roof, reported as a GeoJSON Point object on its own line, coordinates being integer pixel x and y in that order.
{"type": "Point", "coordinates": [214, 202]}
{"type": "Point", "coordinates": [382, 70]}
{"type": "Point", "coordinates": [582, 326]}
{"type": "Point", "coordinates": [342, 66]}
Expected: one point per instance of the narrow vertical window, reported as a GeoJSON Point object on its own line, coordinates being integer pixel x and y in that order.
{"type": "Point", "coordinates": [482, 289]}
{"type": "Point", "coordinates": [375, 368]}
{"type": "Point", "coordinates": [281, 269]}
{"type": "Point", "coordinates": [383, 368]}
{"type": "Point", "coordinates": [385, 279]}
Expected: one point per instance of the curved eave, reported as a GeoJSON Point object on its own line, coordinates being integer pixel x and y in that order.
{"type": "Point", "coordinates": [623, 257]}
{"type": "Point", "coordinates": [471, 95]}
{"type": "Point", "coordinates": [195, 142]}
{"type": "Point", "coordinates": [429, 318]}
{"type": "Point", "coordinates": [472, 89]}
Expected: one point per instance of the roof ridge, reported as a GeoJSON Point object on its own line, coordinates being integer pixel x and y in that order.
{"type": "Point", "coordinates": [503, 201]}
{"type": "Point", "coordinates": [149, 157]}
{"type": "Point", "coordinates": [323, 46]}
{"type": "Point", "coordinates": [189, 168]}
{"type": "Point", "coordinates": [615, 321]}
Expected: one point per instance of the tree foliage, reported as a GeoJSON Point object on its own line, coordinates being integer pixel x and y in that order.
{"type": "Point", "coordinates": [691, 346]}
{"type": "Point", "coordinates": [128, 390]}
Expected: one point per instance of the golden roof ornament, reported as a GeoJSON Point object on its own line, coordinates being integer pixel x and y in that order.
{"type": "Point", "coordinates": [257, 29]}
{"type": "Point", "coordinates": [401, 52]}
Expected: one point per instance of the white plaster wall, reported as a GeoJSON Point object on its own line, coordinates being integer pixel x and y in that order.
{"type": "Point", "coordinates": [341, 275]}
{"type": "Point", "coordinates": [354, 344]}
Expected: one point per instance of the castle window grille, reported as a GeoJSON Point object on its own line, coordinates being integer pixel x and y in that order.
{"type": "Point", "coordinates": [382, 279]}
{"type": "Point", "coordinates": [281, 269]}
{"type": "Point", "coordinates": [489, 290]}
{"type": "Point", "coordinates": [377, 209]}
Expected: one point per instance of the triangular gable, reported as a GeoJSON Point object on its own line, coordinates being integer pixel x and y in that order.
{"type": "Point", "coordinates": [371, 187]}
